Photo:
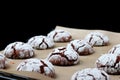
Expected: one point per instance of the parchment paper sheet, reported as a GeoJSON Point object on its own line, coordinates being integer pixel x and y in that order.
{"type": "Point", "coordinates": [65, 72]}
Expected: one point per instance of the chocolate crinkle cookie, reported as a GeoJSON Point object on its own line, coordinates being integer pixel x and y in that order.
{"type": "Point", "coordinates": [110, 63]}
{"type": "Point", "coordinates": [63, 57]}
{"type": "Point", "coordinates": [2, 61]}
{"type": "Point", "coordinates": [90, 74]}
{"type": "Point", "coordinates": [81, 47]}
{"type": "Point", "coordinates": [97, 39]}
{"type": "Point", "coordinates": [60, 35]}
{"type": "Point", "coordinates": [18, 50]}
{"type": "Point", "coordinates": [41, 42]}
{"type": "Point", "coordinates": [115, 50]}
{"type": "Point", "coordinates": [37, 65]}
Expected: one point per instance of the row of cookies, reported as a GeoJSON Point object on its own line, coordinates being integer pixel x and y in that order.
{"type": "Point", "coordinates": [21, 50]}
{"type": "Point", "coordinates": [107, 64]}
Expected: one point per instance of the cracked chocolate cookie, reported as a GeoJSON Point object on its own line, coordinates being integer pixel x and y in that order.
{"type": "Point", "coordinates": [90, 74]}
{"type": "Point", "coordinates": [115, 50]}
{"type": "Point", "coordinates": [41, 42]}
{"type": "Point", "coordinates": [81, 47]}
{"type": "Point", "coordinates": [60, 36]}
{"type": "Point", "coordinates": [37, 65]}
{"type": "Point", "coordinates": [63, 57]}
{"type": "Point", "coordinates": [2, 61]}
{"type": "Point", "coordinates": [97, 39]}
{"type": "Point", "coordinates": [18, 50]}
{"type": "Point", "coordinates": [110, 63]}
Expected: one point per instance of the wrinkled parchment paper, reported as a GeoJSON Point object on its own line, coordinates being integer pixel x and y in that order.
{"type": "Point", "coordinates": [65, 72]}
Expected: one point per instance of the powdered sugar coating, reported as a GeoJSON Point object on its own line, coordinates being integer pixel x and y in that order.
{"type": "Point", "coordinates": [18, 50]}
{"type": "Point", "coordinates": [97, 39]}
{"type": "Point", "coordinates": [60, 36]}
{"type": "Point", "coordinates": [41, 42]}
{"type": "Point", "coordinates": [37, 65]}
{"type": "Point", "coordinates": [90, 74]}
{"type": "Point", "coordinates": [115, 50]}
{"type": "Point", "coordinates": [81, 47]}
{"type": "Point", "coordinates": [63, 57]}
{"type": "Point", "coordinates": [2, 61]}
{"type": "Point", "coordinates": [109, 63]}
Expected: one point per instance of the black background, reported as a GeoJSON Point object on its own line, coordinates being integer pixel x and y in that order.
{"type": "Point", "coordinates": [19, 24]}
